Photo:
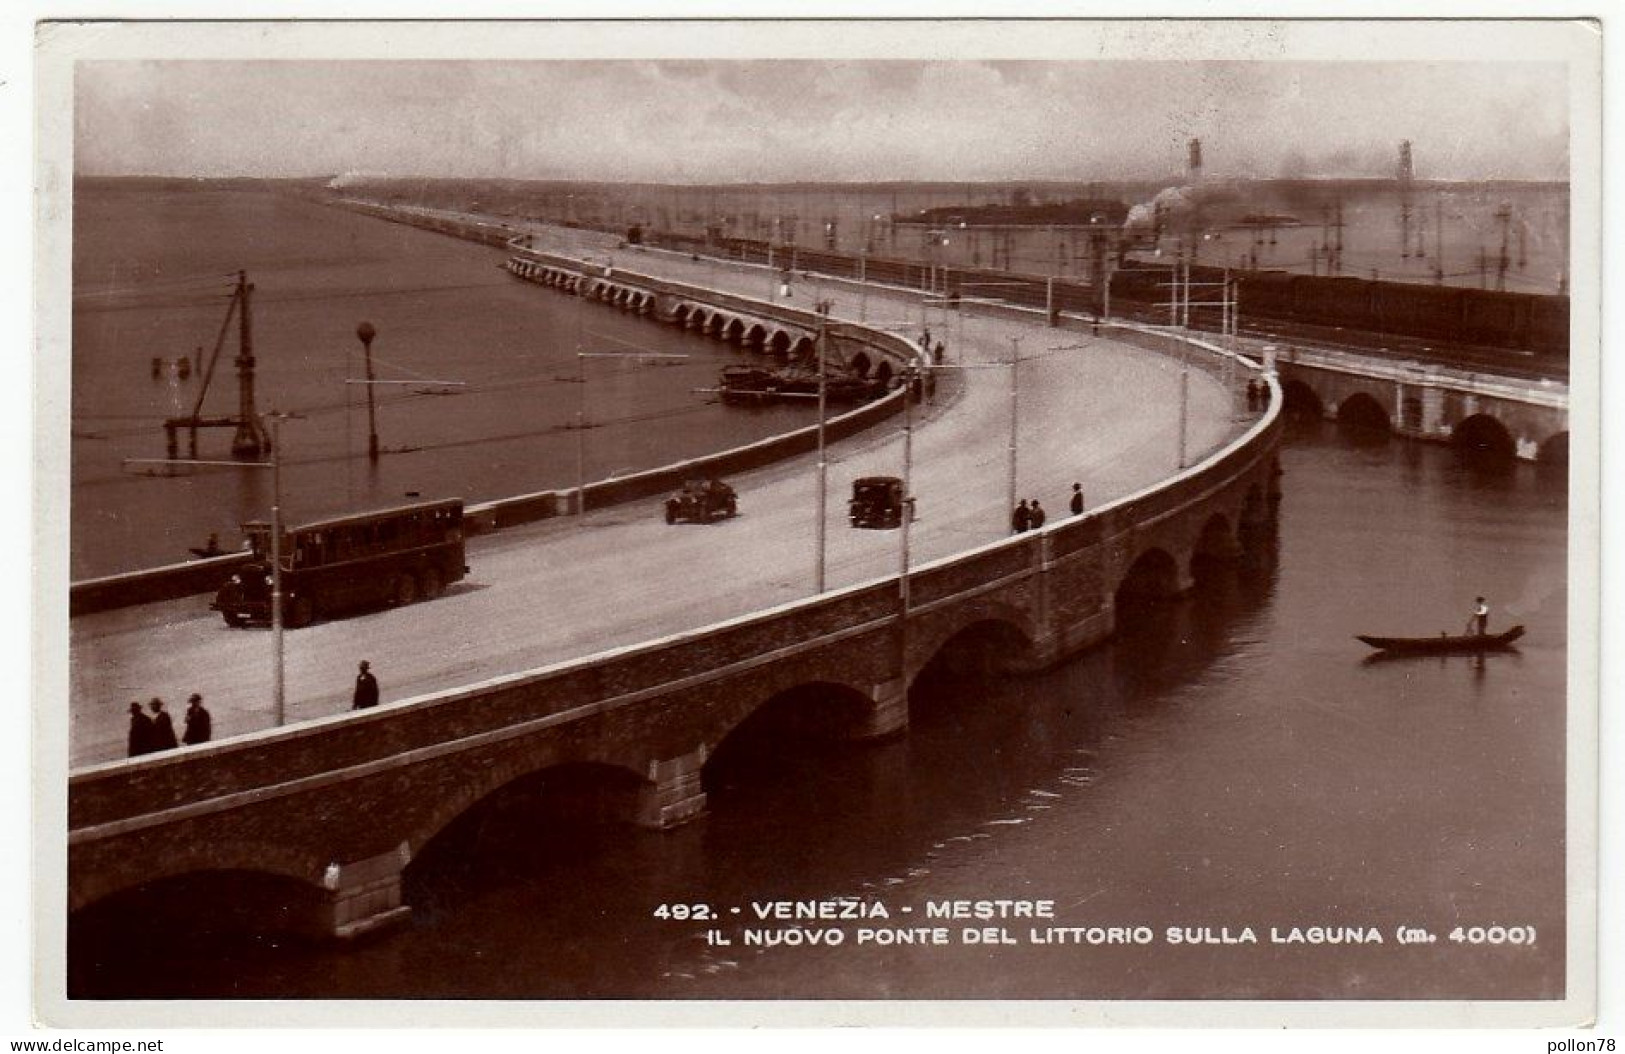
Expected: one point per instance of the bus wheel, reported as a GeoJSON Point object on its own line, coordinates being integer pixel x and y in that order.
{"type": "Point", "coordinates": [302, 612]}
{"type": "Point", "coordinates": [430, 585]}
{"type": "Point", "coordinates": [406, 590]}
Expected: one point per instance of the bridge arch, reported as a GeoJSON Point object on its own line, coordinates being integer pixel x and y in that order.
{"type": "Point", "coordinates": [1299, 398]}
{"type": "Point", "coordinates": [604, 789]}
{"type": "Point", "coordinates": [1363, 411]}
{"type": "Point", "coordinates": [1154, 575]}
{"type": "Point", "coordinates": [1216, 547]}
{"type": "Point", "coordinates": [1555, 450]}
{"type": "Point", "coordinates": [778, 343]}
{"type": "Point", "coordinates": [699, 319]}
{"type": "Point", "coordinates": [995, 638]}
{"type": "Point", "coordinates": [213, 855]}
{"type": "Point", "coordinates": [822, 709]}
{"type": "Point", "coordinates": [117, 936]}
{"type": "Point", "coordinates": [756, 337]}
{"type": "Point", "coordinates": [861, 364]}
{"type": "Point", "coordinates": [734, 331]}
{"type": "Point", "coordinates": [803, 348]}
{"type": "Point", "coordinates": [1482, 434]}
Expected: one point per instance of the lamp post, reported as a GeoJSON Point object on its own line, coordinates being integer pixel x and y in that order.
{"type": "Point", "coordinates": [278, 663]}
{"type": "Point", "coordinates": [910, 379]}
{"type": "Point", "coordinates": [863, 284]}
{"type": "Point", "coordinates": [366, 332]}
{"type": "Point", "coordinates": [1015, 419]}
{"type": "Point", "coordinates": [278, 694]}
{"type": "Point", "coordinates": [823, 465]}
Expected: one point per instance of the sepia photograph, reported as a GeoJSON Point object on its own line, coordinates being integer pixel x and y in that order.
{"type": "Point", "coordinates": [841, 516]}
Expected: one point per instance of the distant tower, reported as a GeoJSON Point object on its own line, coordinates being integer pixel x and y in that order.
{"type": "Point", "coordinates": [1195, 163]}
{"type": "Point", "coordinates": [1406, 175]}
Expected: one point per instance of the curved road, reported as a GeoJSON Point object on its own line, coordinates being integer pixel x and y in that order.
{"type": "Point", "coordinates": [1091, 409]}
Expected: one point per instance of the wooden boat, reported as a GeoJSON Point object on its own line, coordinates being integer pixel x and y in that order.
{"type": "Point", "coordinates": [1471, 642]}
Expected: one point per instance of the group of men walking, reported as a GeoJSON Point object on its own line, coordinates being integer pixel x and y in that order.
{"type": "Point", "coordinates": [1029, 515]}
{"type": "Point", "coordinates": [155, 731]}
{"type": "Point", "coordinates": [150, 733]}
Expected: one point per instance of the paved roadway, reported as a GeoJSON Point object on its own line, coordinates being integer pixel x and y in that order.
{"type": "Point", "coordinates": [1091, 410]}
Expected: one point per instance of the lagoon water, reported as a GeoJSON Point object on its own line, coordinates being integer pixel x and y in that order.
{"type": "Point", "coordinates": [489, 410]}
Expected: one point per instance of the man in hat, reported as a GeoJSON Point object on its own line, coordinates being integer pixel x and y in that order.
{"type": "Point", "coordinates": [366, 688]}
{"type": "Point", "coordinates": [1020, 519]}
{"type": "Point", "coordinates": [163, 729]}
{"type": "Point", "coordinates": [199, 726]}
{"type": "Point", "coordinates": [1481, 617]}
{"type": "Point", "coordinates": [1077, 499]}
{"type": "Point", "coordinates": [140, 731]}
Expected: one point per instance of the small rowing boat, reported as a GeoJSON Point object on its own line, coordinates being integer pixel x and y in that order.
{"type": "Point", "coordinates": [1471, 642]}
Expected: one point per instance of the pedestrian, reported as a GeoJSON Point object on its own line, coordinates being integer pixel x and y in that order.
{"type": "Point", "coordinates": [1035, 514]}
{"type": "Point", "coordinates": [199, 726]}
{"type": "Point", "coordinates": [1252, 395]}
{"type": "Point", "coordinates": [163, 729]}
{"type": "Point", "coordinates": [1481, 617]}
{"type": "Point", "coordinates": [1077, 499]}
{"type": "Point", "coordinates": [936, 354]}
{"type": "Point", "coordinates": [140, 731]}
{"type": "Point", "coordinates": [1021, 519]}
{"type": "Point", "coordinates": [366, 687]}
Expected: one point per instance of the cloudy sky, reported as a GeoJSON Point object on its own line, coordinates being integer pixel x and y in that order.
{"type": "Point", "coordinates": [741, 121]}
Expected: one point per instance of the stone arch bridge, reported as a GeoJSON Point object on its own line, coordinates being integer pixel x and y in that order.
{"type": "Point", "coordinates": [332, 812]}
{"type": "Point", "coordinates": [749, 324]}
{"type": "Point", "coordinates": [1524, 419]}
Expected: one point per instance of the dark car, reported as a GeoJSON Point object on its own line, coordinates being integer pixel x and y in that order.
{"type": "Point", "coordinates": [702, 500]}
{"type": "Point", "coordinates": [877, 501]}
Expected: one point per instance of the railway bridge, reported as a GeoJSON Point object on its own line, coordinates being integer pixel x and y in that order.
{"type": "Point", "coordinates": [1527, 419]}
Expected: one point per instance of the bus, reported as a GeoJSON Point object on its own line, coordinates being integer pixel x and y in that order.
{"type": "Point", "coordinates": [393, 556]}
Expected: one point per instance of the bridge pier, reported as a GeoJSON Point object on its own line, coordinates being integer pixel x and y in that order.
{"type": "Point", "coordinates": [888, 710]}
{"type": "Point", "coordinates": [673, 794]}
{"type": "Point", "coordinates": [365, 895]}
{"type": "Point", "coordinates": [1072, 636]}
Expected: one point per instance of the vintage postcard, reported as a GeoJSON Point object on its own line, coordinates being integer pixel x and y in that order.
{"type": "Point", "coordinates": [817, 522]}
